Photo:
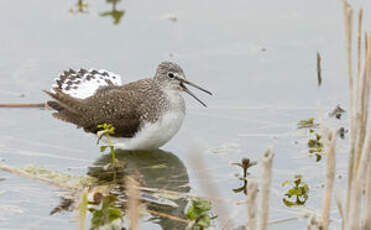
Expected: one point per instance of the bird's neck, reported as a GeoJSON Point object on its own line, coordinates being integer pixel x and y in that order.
{"type": "Point", "coordinates": [175, 99]}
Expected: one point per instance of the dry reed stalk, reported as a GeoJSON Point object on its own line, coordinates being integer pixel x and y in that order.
{"type": "Point", "coordinates": [330, 177]}
{"type": "Point", "coordinates": [348, 23]}
{"type": "Point", "coordinates": [314, 224]}
{"type": "Point", "coordinates": [340, 208]}
{"type": "Point", "coordinates": [359, 42]}
{"type": "Point", "coordinates": [252, 190]}
{"type": "Point", "coordinates": [361, 109]}
{"type": "Point", "coordinates": [133, 203]}
{"type": "Point", "coordinates": [362, 153]}
{"type": "Point", "coordinates": [366, 219]}
{"type": "Point", "coordinates": [182, 194]}
{"type": "Point", "coordinates": [41, 105]}
{"type": "Point", "coordinates": [356, 205]}
{"type": "Point", "coordinates": [198, 163]}
{"type": "Point", "coordinates": [33, 177]}
{"type": "Point", "coordinates": [170, 217]}
{"type": "Point", "coordinates": [267, 164]}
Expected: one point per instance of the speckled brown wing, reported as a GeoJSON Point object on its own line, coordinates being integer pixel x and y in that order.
{"type": "Point", "coordinates": [115, 105]}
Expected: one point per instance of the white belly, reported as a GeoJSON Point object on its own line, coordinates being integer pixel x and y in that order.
{"type": "Point", "coordinates": [153, 135]}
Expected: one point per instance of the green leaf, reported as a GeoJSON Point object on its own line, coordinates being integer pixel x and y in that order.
{"type": "Point", "coordinates": [103, 148]}
{"type": "Point", "coordinates": [204, 221]}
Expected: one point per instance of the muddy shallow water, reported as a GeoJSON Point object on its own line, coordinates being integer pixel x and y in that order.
{"type": "Point", "coordinates": [258, 59]}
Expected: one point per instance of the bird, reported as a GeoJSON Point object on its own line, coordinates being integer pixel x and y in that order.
{"type": "Point", "coordinates": [145, 113]}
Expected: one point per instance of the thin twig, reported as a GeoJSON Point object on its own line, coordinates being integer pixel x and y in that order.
{"type": "Point", "coordinates": [40, 105]}
{"type": "Point", "coordinates": [175, 218]}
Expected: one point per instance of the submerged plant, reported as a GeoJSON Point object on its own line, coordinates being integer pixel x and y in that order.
{"type": "Point", "coordinates": [106, 213]}
{"type": "Point", "coordinates": [107, 130]}
{"type": "Point", "coordinates": [199, 214]}
{"type": "Point", "coordinates": [298, 194]}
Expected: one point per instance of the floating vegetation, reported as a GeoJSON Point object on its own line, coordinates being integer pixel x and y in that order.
{"type": "Point", "coordinates": [298, 194]}
{"type": "Point", "coordinates": [341, 132]}
{"type": "Point", "coordinates": [72, 181]}
{"type": "Point", "coordinates": [245, 164]}
{"type": "Point", "coordinates": [315, 145]}
{"type": "Point", "coordinates": [114, 13]}
{"type": "Point", "coordinates": [81, 7]}
{"type": "Point", "coordinates": [199, 214]}
{"type": "Point", "coordinates": [337, 112]}
{"type": "Point", "coordinates": [309, 123]}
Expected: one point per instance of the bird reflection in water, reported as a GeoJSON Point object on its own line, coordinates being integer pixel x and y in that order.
{"type": "Point", "coordinates": [152, 169]}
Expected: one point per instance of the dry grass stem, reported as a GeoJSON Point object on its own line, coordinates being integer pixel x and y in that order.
{"type": "Point", "coordinates": [22, 173]}
{"type": "Point", "coordinates": [359, 42]}
{"type": "Point", "coordinates": [133, 203]}
{"type": "Point", "coordinates": [330, 177]}
{"type": "Point", "coordinates": [348, 23]}
{"type": "Point", "coordinates": [314, 224]}
{"type": "Point", "coordinates": [252, 190]}
{"type": "Point", "coordinates": [198, 163]}
{"type": "Point", "coordinates": [367, 212]}
{"type": "Point", "coordinates": [267, 164]}
{"type": "Point", "coordinates": [340, 208]}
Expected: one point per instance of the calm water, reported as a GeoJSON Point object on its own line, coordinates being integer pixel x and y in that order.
{"type": "Point", "coordinates": [258, 58]}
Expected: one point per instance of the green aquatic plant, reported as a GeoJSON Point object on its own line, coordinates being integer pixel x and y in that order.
{"type": "Point", "coordinates": [106, 213]}
{"type": "Point", "coordinates": [315, 145]}
{"type": "Point", "coordinates": [107, 130]}
{"type": "Point", "coordinates": [298, 193]}
{"type": "Point", "coordinates": [80, 7]}
{"type": "Point", "coordinates": [199, 214]}
{"type": "Point", "coordinates": [245, 164]}
{"type": "Point", "coordinates": [114, 13]}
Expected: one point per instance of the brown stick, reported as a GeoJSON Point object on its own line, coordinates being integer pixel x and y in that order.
{"type": "Point", "coordinates": [319, 76]}
{"type": "Point", "coordinates": [41, 105]}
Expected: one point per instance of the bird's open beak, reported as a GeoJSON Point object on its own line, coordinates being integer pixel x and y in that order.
{"type": "Point", "coordinates": [183, 81]}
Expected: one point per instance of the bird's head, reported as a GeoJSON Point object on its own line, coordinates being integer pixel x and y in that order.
{"type": "Point", "coordinates": [170, 76]}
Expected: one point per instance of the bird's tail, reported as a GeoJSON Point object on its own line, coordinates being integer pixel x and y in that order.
{"type": "Point", "coordinates": [68, 108]}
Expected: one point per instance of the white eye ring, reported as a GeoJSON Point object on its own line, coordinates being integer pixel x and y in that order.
{"type": "Point", "coordinates": [171, 75]}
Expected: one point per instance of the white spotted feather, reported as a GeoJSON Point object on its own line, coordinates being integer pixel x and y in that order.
{"type": "Point", "coordinates": [83, 83]}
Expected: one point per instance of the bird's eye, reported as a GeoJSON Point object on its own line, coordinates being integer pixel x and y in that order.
{"type": "Point", "coordinates": [170, 75]}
